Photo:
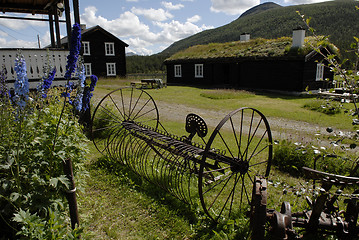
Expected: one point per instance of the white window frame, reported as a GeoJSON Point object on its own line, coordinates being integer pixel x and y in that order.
{"type": "Point", "coordinates": [198, 70]}
{"type": "Point", "coordinates": [111, 69]}
{"type": "Point", "coordinates": [178, 70]}
{"type": "Point", "coordinates": [88, 69]}
{"type": "Point", "coordinates": [86, 46]}
{"type": "Point", "coordinates": [109, 49]}
{"type": "Point", "coordinates": [320, 72]}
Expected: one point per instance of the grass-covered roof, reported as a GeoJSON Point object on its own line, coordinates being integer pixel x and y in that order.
{"type": "Point", "coordinates": [255, 48]}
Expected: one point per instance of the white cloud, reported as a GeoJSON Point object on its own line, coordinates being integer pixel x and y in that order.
{"type": "Point", "coordinates": [17, 24]}
{"type": "Point", "coordinates": [138, 35]}
{"type": "Point", "coordinates": [174, 30]}
{"type": "Point", "coordinates": [233, 7]}
{"type": "Point", "coordinates": [128, 24]}
{"type": "Point", "coordinates": [139, 46]}
{"type": "Point", "coordinates": [13, 24]}
{"type": "Point", "coordinates": [3, 34]}
{"type": "Point", "coordinates": [153, 14]}
{"type": "Point", "coordinates": [45, 39]}
{"type": "Point", "coordinates": [170, 6]}
{"type": "Point", "coordinates": [17, 44]}
{"type": "Point", "coordinates": [194, 19]}
{"type": "Point", "coordinates": [131, 0]}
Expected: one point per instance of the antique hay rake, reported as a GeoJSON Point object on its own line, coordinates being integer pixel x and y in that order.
{"type": "Point", "coordinates": [218, 170]}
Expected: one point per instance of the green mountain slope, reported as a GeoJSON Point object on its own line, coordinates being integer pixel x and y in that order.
{"type": "Point", "coordinates": [260, 8]}
{"type": "Point", "coordinates": [338, 19]}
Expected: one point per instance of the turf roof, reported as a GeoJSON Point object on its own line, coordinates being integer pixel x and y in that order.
{"type": "Point", "coordinates": [255, 48]}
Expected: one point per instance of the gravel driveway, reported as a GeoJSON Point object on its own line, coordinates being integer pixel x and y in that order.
{"type": "Point", "coordinates": [281, 128]}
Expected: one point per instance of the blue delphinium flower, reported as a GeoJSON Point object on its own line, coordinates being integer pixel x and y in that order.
{"type": "Point", "coordinates": [80, 73]}
{"type": "Point", "coordinates": [93, 82]}
{"type": "Point", "coordinates": [48, 82]}
{"type": "Point", "coordinates": [3, 77]}
{"type": "Point", "coordinates": [21, 85]}
{"type": "Point", "coordinates": [88, 93]}
{"type": "Point", "coordinates": [74, 50]}
{"type": "Point", "coordinates": [72, 59]}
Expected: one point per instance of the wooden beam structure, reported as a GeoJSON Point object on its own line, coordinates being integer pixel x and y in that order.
{"type": "Point", "coordinates": [52, 8]}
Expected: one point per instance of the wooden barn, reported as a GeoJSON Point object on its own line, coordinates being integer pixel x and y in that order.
{"type": "Point", "coordinates": [285, 64]}
{"type": "Point", "coordinates": [104, 54]}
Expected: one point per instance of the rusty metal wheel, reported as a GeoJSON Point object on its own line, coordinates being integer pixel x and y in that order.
{"type": "Point", "coordinates": [239, 149]}
{"type": "Point", "coordinates": [116, 108]}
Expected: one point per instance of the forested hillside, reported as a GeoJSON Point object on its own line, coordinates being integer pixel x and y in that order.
{"type": "Point", "coordinates": [260, 8]}
{"type": "Point", "coordinates": [338, 19]}
{"type": "Point", "coordinates": [145, 64]}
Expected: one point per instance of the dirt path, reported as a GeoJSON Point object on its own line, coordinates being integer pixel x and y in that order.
{"type": "Point", "coordinates": [281, 128]}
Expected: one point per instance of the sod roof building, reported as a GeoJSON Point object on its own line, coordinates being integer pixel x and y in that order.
{"type": "Point", "coordinates": [285, 64]}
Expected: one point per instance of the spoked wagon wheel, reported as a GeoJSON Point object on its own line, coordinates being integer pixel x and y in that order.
{"type": "Point", "coordinates": [115, 109]}
{"type": "Point", "coordinates": [239, 149]}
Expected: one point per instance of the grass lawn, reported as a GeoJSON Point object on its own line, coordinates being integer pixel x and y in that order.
{"type": "Point", "coordinates": [117, 204]}
{"type": "Point", "coordinates": [271, 105]}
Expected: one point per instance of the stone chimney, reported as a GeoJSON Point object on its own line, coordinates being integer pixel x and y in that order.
{"type": "Point", "coordinates": [83, 27]}
{"type": "Point", "coordinates": [245, 37]}
{"type": "Point", "coordinates": [298, 37]}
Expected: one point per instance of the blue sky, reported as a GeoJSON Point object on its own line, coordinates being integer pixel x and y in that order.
{"type": "Point", "coordinates": [148, 26]}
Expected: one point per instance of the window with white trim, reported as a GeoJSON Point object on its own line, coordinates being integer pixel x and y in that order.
{"type": "Point", "coordinates": [320, 72]}
{"type": "Point", "coordinates": [109, 49]}
{"type": "Point", "coordinates": [178, 71]}
{"type": "Point", "coordinates": [198, 70]}
{"type": "Point", "coordinates": [111, 69]}
{"type": "Point", "coordinates": [86, 46]}
{"type": "Point", "coordinates": [88, 71]}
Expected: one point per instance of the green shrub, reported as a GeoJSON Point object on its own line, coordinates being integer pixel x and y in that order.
{"type": "Point", "coordinates": [33, 147]}
{"type": "Point", "coordinates": [324, 106]}
{"type": "Point", "coordinates": [291, 157]}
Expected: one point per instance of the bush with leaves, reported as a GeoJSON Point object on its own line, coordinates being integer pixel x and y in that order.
{"type": "Point", "coordinates": [38, 133]}
{"type": "Point", "coordinates": [31, 172]}
{"type": "Point", "coordinates": [291, 157]}
{"type": "Point", "coordinates": [329, 107]}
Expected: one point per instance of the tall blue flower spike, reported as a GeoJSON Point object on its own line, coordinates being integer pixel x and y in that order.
{"type": "Point", "coordinates": [80, 86]}
{"type": "Point", "coordinates": [74, 50]}
{"type": "Point", "coordinates": [48, 82]}
{"type": "Point", "coordinates": [72, 59]}
{"type": "Point", "coordinates": [3, 77]}
{"type": "Point", "coordinates": [87, 93]}
{"type": "Point", "coordinates": [21, 85]}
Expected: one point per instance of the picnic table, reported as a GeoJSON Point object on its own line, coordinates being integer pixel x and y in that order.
{"type": "Point", "coordinates": [149, 83]}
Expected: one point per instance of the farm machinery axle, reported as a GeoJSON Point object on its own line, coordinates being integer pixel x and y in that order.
{"type": "Point", "coordinates": [225, 171]}
{"type": "Point", "coordinates": [219, 171]}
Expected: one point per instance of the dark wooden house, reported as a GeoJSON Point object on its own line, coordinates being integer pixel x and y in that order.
{"type": "Point", "coordinates": [104, 54]}
{"type": "Point", "coordinates": [254, 64]}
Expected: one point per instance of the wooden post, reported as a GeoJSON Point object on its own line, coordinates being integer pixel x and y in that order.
{"type": "Point", "coordinates": [71, 194]}
{"type": "Point", "coordinates": [68, 22]}
{"type": "Point", "coordinates": [76, 11]}
{"type": "Point", "coordinates": [52, 35]}
{"type": "Point", "coordinates": [57, 27]}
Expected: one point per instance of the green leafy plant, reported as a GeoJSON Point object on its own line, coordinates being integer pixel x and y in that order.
{"type": "Point", "coordinates": [39, 134]}
{"type": "Point", "coordinates": [31, 172]}
{"type": "Point", "coordinates": [329, 107]}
